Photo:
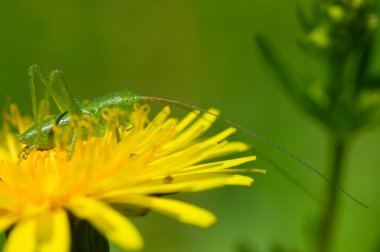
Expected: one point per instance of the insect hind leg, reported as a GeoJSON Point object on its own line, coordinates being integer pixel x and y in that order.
{"type": "Point", "coordinates": [55, 87]}
{"type": "Point", "coordinates": [33, 71]}
{"type": "Point", "coordinates": [44, 107]}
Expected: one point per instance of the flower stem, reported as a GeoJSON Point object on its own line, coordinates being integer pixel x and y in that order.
{"type": "Point", "coordinates": [329, 217]}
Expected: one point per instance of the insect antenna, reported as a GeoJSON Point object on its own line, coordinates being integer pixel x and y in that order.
{"type": "Point", "coordinates": [261, 138]}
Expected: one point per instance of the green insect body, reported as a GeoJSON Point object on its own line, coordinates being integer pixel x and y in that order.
{"type": "Point", "coordinates": [41, 135]}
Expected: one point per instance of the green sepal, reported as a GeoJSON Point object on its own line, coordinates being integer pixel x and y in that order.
{"type": "Point", "coordinates": [130, 211]}
{"type": "Point", "coordinates": [85, 238]}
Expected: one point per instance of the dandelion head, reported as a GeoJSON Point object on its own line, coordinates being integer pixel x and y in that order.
{"type": "Point", "coordinates": [105, 179]}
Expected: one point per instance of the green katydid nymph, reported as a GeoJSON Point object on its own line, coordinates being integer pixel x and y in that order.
{"type": "Point", "coordinates": [41, 135]}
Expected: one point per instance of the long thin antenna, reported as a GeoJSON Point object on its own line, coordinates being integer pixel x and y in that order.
{"type": "Point", "coordinates": [259, 137]}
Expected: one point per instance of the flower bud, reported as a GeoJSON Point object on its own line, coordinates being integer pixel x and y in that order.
{"type": "Point", "coordinates": [319, 37]}
{"type": "Point", "coordinates": [336, 13]}
{"type": "Point", "coordinates": [357, 3]}
{"type": "Point", "coordinates": [372, 21]}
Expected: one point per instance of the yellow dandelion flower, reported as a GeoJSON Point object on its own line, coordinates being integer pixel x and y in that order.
{"type": "Point", "coordinates": [45, 196]}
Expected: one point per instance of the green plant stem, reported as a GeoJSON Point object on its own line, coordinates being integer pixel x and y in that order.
{"type": "Point", "coordinates": [330, 215]}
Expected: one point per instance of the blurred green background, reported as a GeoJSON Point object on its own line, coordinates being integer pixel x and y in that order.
{"type": "Point", "coordinates": [202, 52]}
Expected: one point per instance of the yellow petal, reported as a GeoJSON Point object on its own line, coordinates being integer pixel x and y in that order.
{"type": "Point", "coordinates": [109, 222]}
{"type": "Point", "coordinates": [197, 128]}
{"type": "Point", "coordinates": [187, 120]}
{"type": "Point", "coordinates": [58, 240]}
{"type": "Point", "coordinates": [219, 137]}
{"type": "Point", "coordinates": [179, 210]}
{"type": "Point", "coordinates": [226, 149]}
{"type": "Point", "coordinates": [193, 183]}
{"type": "Point", "coordinates": [217, 166]}
{"type": "Point", "coordinates": [22, 237]}
{"type": "Point", "coordinates": [160, 117]}
{"type": "Point", "coordinates": [47, 232]}
{"type": "Point", "coordinates": [6, 222]}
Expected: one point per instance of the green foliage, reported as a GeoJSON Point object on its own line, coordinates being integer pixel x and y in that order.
{"type": "Point", "coordinates": [345, 98]}
{"type": "Point", "coordinates": [341, 36]}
